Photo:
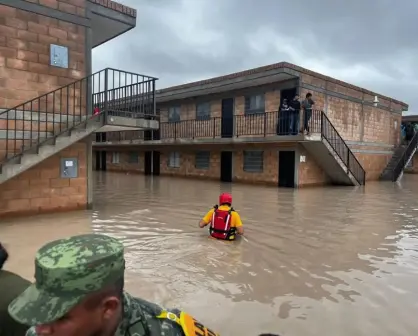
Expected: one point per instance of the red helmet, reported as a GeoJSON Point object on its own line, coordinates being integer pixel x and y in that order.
{"type": "Point", "coordinates": [225, 198]}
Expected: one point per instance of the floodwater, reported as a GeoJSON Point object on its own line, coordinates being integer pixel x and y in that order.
{"type": "Point", "coordinates": [327, 261]}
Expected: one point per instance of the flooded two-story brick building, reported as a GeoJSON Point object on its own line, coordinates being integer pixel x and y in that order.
{"type": "Point", "coordinates": [229, 128]}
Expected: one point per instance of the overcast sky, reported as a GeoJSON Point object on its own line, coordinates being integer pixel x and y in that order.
{"type": "Point", "coordinates": [369, 43]}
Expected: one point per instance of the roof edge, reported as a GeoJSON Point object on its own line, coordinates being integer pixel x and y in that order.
{"type": "Point", "coordinates": [280, 65]}
{"type": "Point", "coordinates": [116, 6]}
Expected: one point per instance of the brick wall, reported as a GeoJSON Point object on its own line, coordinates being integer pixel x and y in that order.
{"type": "Point", "coordinates": [40, 189]}
{"type": "Point", "coordinates": [76, 7]}
{"type": "Point", "coordinates": [270, 170]}
{"type": "Point", "coordinates": [206, 128]}
{"type": "Point", "coordinates": [355, 121]}
{"type": "Point", "coordinates": [25, 74]}
{"type": "Point", "coordinates": [187, 165]}
{"type": "Point", "coordinates": [124, 164]}
{"type": "Point", "coordinates": [309, 173]}
{"type": "Point", "coordinates": [373, 164]}
{"type": "Point", "coordinates": [25, 40]}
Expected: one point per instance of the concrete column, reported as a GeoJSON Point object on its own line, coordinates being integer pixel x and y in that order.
{"type": "Point", "coordinates": [89, 140]}
{"type": "Point", "coordinates": [89, 168]}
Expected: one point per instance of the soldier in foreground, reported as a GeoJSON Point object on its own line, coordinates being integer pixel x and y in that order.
{"type": "Point", "coordinates": [11, 285]}
{"type": "Point", "coordinates": [79, 291]}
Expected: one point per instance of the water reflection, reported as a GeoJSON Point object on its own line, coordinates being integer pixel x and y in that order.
{"type": "Point", "coordinates": [317, 261]}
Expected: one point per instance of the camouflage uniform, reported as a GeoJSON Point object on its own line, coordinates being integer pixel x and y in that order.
{"type": "Point", "coordinates": [67, 270]}
{"type": "Point", "coordinates": [11, 285]}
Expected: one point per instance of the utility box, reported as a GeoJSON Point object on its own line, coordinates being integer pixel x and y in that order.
{"type": "Point", "coordinates": [69, 167]}
{"type": "Point", "coordinates": [59, 56]}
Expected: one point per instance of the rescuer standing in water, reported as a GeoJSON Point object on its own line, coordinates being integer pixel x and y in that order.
{"type": "Point", "coordinates": [224, 221]}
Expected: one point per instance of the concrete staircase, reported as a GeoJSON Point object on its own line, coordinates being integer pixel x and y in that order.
{"type": "Point", "coordinates": [44, 126]}
{"type": "Point", "coordinates": [401, 157]}
{"type": "Point", "coordinates": [50, 145]}
{"type": "Point", "coordinates": [333, 155]}
{"type": "Point", "coordinates": [327, 158]}
{"type": "Point", "coordinates": [388, 172]}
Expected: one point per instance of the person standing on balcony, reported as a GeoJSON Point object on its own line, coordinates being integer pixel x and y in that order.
{"type": "Point", "coordinates": [409, 131]}
{"type": "Point", "coordinates": [283, 122]}
{"type": "Point", "coordinates": [224, 221]}
{"type": "Point", "coordinates": [11, 285]}
{"type": "Point", "coordinates": [307, 112]}
{"type": "Point", "coordinates": [294, 115]}
{"type": "Point", "coordinates": [79, 290]}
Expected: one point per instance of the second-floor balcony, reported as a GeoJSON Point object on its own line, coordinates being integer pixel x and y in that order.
{"type": "Point", "coordinates": [274, 126]}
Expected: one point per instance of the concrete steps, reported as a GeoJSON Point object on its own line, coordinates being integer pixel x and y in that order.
{"type": "Point", "coordinates": [388, 173]}
{"type": "Point", "coordinates": [326, 157]}
{"type": "Point", "coordinates": [54, 144]}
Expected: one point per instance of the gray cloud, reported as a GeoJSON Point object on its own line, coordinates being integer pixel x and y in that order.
{"type": "Point", "coordinates": [368, 43]}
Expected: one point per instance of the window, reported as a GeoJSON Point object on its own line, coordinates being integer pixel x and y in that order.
{"type": "Point", "coordinates": [202, 160]}
{"type": "Point", "coordinates": [174, 160]}
{"type": "Point", "coordinates": [253, 161]}
{"type": "Point", "coordinates": [115, 157]}
{"type": "Point", "coordinates": [254, 104]}
{"type": "Point", "coordinates": [133, 157]}
{"type": "Point", "coordinates": [203, 111]}
{"type": "Point", "coordinates": [174, 114]}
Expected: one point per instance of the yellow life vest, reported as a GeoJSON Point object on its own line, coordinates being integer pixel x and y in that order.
{"type": "Point", "coordinates": [190, 326]}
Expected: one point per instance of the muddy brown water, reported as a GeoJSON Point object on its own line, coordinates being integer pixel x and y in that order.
{"type": "Point", "coordinates": [323, 261]}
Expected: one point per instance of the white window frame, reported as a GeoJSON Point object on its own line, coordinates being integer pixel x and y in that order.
{"type": "Point", "coordinates": [174, 160]}
{"type": "Point", "coordinates": [115, 157]}
{"type": "Point", "coordinates": [255, 104]}
{"type": "Point", "coordinates": [174, 114]}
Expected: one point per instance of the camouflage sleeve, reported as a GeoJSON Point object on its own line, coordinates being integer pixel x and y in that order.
{"type": "Point", "coordinates": [31, 332]}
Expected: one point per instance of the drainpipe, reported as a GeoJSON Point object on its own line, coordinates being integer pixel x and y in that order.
{"type": "Point", "coordinates": [362, 118]}
{"type": "Point", "coordinates": [326, 98]}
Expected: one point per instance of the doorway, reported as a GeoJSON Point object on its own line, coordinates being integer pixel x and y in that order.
{"type": "Point", "coordinates": [288, 94]}
{"type": "Point", "coordinates": [152, 163]}
{"type": "Point", "coordinates": [227, 118]}
{"type": "Point", "coordinates": [287, 165]}
{"type": "Point", "coordinates": [156, 163]}
{"type": "Point", "coordinates": [226, 166]}
{"type": "Point", "coordinates": [101, 160]}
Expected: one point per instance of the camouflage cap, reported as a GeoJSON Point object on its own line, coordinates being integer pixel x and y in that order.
{"type": "Point", "coordinates": [66, 270]}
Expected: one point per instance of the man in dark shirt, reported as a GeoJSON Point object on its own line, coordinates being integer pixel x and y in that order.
{"type": "Point", "coordinates": [11, 286]}
{"type": "Point", "coordinates": [307, 108]}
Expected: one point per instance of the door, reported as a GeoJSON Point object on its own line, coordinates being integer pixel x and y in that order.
{"type": "Point", "coordinates": [148, 163]}
{"type": "Point", "coordinates": [227, 118]}
{"type": "Point", "coordinates": [287, 169]}
{"type": "Point", "coordinates": [288, 94]}
{"type": "Point", "coordinates": [226, 166]}
{"type": "Point", "coordinates": [104, 160]}
{"type": "Point", "coordinates": [101, 160]}
{"type": "Point", "coordinates": [98, 158]}
{"type": "Point", "coordinates": [156, 163]}
{"type": "Point", "coordinates": [147, 135]}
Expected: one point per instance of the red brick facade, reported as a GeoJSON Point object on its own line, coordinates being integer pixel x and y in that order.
{"type": "Point", "coordinates": [25, 40]}
{"type": "Point", "coordinates": [41, 189]}
{"type": "Point", "coordinates": [25, 74]}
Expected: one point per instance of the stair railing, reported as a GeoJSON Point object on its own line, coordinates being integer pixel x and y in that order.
{"type": "Point", "coordinates": [106, 92]}
{"type": "Point", "coordinates": [337, 143]}
{"type": "Point", "coordinates": [403, 160]}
